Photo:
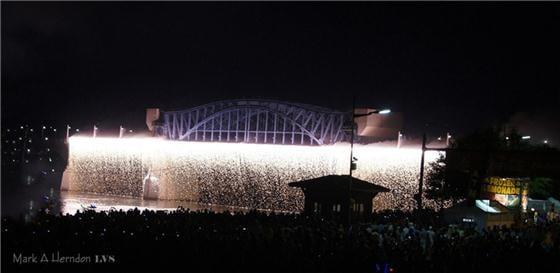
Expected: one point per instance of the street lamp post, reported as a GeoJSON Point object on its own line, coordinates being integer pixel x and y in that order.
{"type": "Point", "coordinates": [354, 116]}
{"type": "Point", "coordinates": [352, 161]}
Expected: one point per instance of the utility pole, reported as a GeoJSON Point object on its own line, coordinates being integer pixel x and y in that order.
{"type": "Point", "coordinates": [352, 164]}
{"type": "Point", "coordinates": [67, 133]}
{"type": "Point", "coordinates": [421, 182]}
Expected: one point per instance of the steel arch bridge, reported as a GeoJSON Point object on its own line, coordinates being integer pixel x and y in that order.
{"type": "Point", "coordinates": [255, 121]}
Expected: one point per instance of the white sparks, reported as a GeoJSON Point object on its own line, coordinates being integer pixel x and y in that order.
{"type": "Point", "coordinates": [236, 174]}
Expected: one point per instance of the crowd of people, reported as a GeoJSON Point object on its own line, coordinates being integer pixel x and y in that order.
{"type": "Point", "coordinates": [205, 241]}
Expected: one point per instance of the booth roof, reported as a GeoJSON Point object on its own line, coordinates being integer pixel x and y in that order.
{"type": "Point", "coordinates": [339, 181]}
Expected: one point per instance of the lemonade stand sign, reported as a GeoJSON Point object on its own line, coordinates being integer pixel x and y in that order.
{"type": "Point", "coordinates": [508, 191]}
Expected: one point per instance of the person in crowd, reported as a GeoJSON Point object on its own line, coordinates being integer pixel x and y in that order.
{"type": "Point", "coordinates": [253, 241]}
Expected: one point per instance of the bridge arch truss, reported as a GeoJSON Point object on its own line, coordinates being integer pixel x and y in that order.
{"type": "Point", "coordinates": [255, 121]}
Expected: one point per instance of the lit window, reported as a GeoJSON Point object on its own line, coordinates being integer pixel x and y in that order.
{"type": "Point", "coordinates": [336, 207]}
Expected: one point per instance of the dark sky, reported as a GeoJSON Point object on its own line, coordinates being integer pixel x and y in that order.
{"type": "Point", "coordinates": [455, 66]}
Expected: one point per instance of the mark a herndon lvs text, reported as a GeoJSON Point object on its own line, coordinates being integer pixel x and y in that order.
{"type": "Point", "coordinates": [56, 257]}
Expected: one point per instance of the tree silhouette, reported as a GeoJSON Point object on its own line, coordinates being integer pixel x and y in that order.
{"type": "Point", "coordinates": [444, 184]}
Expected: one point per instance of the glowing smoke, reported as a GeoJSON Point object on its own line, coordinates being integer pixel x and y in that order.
{"type": "Point", "coordinates": [237, 174]}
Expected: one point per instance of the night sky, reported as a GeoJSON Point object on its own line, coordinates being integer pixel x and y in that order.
{"type": "Point", "coordinates": [453, 66]}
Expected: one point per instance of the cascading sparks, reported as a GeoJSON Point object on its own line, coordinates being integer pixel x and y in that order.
{"type": "Point", "coordinates": [235, 174]}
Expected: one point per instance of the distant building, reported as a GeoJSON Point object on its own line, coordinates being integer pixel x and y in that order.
{"type": "Point", "coordinates": [542, 128]}
{"type": "Point", "coordinates": [377, 127]}
{"type": "Point", "coordinates": [506, 163]}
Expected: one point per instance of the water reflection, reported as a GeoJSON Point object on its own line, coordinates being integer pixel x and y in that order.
{"type": "Point", "coordinates": [76, 201]}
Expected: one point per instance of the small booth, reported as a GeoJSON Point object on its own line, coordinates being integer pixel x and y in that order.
{"type": "Point", "coordinates": [332, 196]}
{"type": "Point", "coordinates": [484, 214]}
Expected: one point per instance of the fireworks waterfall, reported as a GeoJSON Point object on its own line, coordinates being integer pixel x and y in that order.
{"type": "Point", "coordinates": [236, 174]}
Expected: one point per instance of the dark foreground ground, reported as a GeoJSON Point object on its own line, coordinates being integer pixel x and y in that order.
{"type": "Point", "coordinates": [185, 241]}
